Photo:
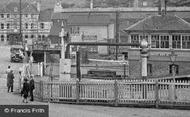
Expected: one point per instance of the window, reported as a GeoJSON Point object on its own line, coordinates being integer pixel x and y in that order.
{"type": "Point", "coordinates": [26, 36]}
{"type": "Point", "coordinates": [42, 25]}
{"type": "Point", "coordinates": [32, 36]}
{"type": "Point", "coordinates": [8, 15]}
{"type": "Point", "coordinates": [75, 30]}
{"type": "Point", "coordinates": [159, 41]}
{"type": "Point", "coordinates": [8, 26]}
{"type": "Point", "coordinates": [2, 37]}
{"type": "Point", "coordinates": [186, 42]}
{"type": "Point", "coordinates": [26, 26]}
{"type": "Point", "coordinates": [155, 41]}
{"type": "Point", "coordinates": [2, 15]}
{"type": "Point", "coordinates": [164, 41]}
{"type": "Point", "coordinates": [32, 25]}
{"type": "Point", "coordinates": [134, 39]}
{"type": "Point", "coordinates": [176, 68]}
{"type": "Point", "coordinates": [2, 26]}
{"type": "Point", "coordinates": [7, 37]}
{"type": "Point", "coordinates": [176, 41]}
{"type": "Point", "coordinates": [39, 37]}
{"type": "Point", "coordinates": [43, 37]}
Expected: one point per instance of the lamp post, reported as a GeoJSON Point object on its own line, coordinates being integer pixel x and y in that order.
{"type": "Point", "coordinates": [173, 57]}
{"type": "Point", "coordinates": [144, 56]}
{"type": "Point", "coordinates": [62, 34]}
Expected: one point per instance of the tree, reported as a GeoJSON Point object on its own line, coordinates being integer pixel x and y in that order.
{"type": "Point", "coordinates": [67, 5]}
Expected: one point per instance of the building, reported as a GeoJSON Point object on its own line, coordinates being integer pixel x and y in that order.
{"type": "Point", "coordinates": [10, 21]}
{"type": "Point", "coordinates": [164, 33]}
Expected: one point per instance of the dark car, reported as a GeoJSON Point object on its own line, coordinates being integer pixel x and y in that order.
{"type": "Point", "coordinates": [16, 53]}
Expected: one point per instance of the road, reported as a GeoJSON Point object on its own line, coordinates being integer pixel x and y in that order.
{"type": "Point", "coordinates": [72, 110]}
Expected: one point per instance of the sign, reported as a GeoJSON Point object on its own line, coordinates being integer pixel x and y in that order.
{"type": "Point", "coordinates": [24, 110]}
{"type": "Point", "coordinates": [65, 69]}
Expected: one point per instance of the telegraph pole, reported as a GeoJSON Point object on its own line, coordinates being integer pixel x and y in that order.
{"type": "Point", "coordinates": [20, 14]}
{"type": "Point", "coordinates": [117, 33]}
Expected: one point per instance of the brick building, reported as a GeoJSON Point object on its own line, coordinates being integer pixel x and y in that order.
{"type": "Point", "coordinates": [163, 33]}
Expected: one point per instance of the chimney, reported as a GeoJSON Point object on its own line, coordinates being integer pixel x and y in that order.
{"type": "Point", "coordinates": [136, 3]}
{"type": "Point", "coordinates": [91, 4]}
{"type": "Point", "coordinates": [58, 7]}
{"type": "Point", "coordinates": [162, 7]}
{"type": "Point", "coordinates": [38, 5]}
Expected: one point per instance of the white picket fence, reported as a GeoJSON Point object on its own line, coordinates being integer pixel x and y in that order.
{"type": "Point", "coordinates": [115, 92]}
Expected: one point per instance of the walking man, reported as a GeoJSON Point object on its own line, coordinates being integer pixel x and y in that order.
{"type": "Point", "coordinates": [10, 80]}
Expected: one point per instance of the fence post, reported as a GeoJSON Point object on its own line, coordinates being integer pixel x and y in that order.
{"type": "Point", "coordinates": [77, 92]}
{"type": "Point", "coordinates": [156, 94]}
{"type": "Point", "coordinates": [116, 93]}
{"type": "Point", "coordinates": [48, 88]}
{"type": "Point", "coordinates": [41, 90]}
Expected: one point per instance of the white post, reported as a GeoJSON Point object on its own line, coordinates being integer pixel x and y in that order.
{"type": "Point", "coordinates": [38, 69]}
{"type": "Point", "coordinates": [65, 64]}
{"type": "Point", "coordinates": [144, 65]}
{"type": "Point", "coordinates": [41, 69]}
{"type": "Point", "coordinates": [144, 55]}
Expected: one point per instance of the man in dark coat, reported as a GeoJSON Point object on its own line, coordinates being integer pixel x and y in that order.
{"type": "Point", "coordinates": [31, 87]}
{"type": "Point", "coordinates": [10, 80]}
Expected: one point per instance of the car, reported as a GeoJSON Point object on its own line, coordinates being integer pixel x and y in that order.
{"type": "Point", "coordinates": [16, 53]}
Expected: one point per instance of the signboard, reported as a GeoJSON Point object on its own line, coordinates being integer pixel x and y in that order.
{"type": "Point", "coordinates": [65, 69]}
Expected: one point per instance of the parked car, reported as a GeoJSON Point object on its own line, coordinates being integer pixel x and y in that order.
{"type": "Point", "coordinates": [16, 53]}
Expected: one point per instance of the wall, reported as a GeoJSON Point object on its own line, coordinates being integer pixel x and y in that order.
{"type": "Point", "coordinates": [100, 31]}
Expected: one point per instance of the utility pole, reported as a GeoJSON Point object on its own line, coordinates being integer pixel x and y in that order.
{"type": "Point", "coordinates": [20, 14]}
{"type": "Point", "coordinates": [117, 33]}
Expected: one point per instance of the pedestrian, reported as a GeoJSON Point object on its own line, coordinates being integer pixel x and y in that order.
{"type": "Point", "coordinates": [25, 90]}
{"type": "Point", "coordinates": [8, 70]}
{"type": "Point", "coordinates": [10, 80]}
{"type": "Point", "coordinates": [32, 87]}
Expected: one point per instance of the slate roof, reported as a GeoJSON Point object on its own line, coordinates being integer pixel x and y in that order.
{"type": "Point", "coordinates": [159, 23]}
{"type": "Point", "coordinates": [81, 20]}
{"type": "Point", "coordinates": [55, 29]}
{"type": "Point", "coordinates": [14, 7]}
{"type": "Point", "coordinates": [45, 15]}
{"type": "Point", "coordinates": [89, 20]}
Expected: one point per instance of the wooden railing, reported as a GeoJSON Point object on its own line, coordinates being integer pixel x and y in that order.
{"type": "Point", "coordinates": [142, 93]}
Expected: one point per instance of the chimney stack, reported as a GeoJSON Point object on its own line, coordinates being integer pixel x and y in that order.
{"type": "Point", "coordinates": [162, 7]}
{"type": "Point", "coordinates": [91, 4]}
{"type": "Point", "coordinates": [38, 4]}
{"type": "Point", "coordinates": [136, 3]}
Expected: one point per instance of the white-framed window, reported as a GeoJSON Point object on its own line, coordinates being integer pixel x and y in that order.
{"type": "Point", "coordinates": [164, 41]}
{"type": "Point", "coordinates": [176, 41]}
{"type": "Point", "coordinates": [2, 26]}
{"type": "Point", "coordinates": [26, 36]}
{"type": "Point", "coordinates": [159, 41]}
{"type": "Point", "coordinates": [2, 15]}
{"type": "Point", "coordinates": [32, 25]}
{"type": "Point", "coordinates": [26, 25]}
{"type": "Point", "coordinates": [8, 15]}
{"type": "Point", "coordinates": [186, 42]}
{"type": "Point", "coordinates": [2, 37]}
{"type": "Point", "coordinates": [75, 30]}
{"type": "Point", "coordinates": [134, 39]}
{"type": "Point", "coordinates": [32, 36]}
{"type": "Point", "coordinates": [42, 25]}
{"type": "Point", "coordinates": [8, 25]}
